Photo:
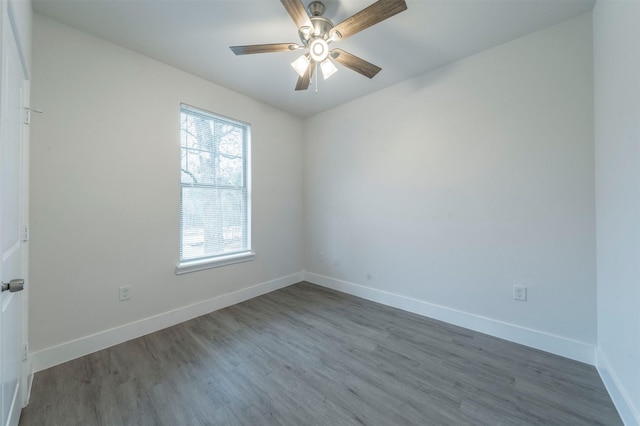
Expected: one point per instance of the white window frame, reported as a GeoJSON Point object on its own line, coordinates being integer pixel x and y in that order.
{"type": "Point", "coordinates": [215, 261]}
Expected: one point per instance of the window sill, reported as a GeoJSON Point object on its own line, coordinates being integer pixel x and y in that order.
{"type": "Point", "coordinates": [200, 265]}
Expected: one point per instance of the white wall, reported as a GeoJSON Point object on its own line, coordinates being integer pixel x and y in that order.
{"type": "Point", "coordinates": [453, 186]}
{"type": "Point", "coordinates": [616, 37]}
{"type": "Point", "coordinates": [105, 187]}
{"type": "Point", "coordinates": [22, 15]}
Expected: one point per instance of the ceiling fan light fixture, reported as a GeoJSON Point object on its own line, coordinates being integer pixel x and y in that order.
{"type": "Point", "coordinates": [328, 69]}
{"type": "Point", "coordinates": [319, 49]}
{"type": "Point", "coordinates": [317, 33]}
{"type": "Point", "coordinates": [300, 65]}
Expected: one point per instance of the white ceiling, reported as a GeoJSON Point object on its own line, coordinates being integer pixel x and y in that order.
{"type": "Point", "coordinates": [195, 35]}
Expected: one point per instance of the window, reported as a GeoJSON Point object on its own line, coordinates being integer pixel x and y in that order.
{"type": "Point", "coordinates": [214, 184]}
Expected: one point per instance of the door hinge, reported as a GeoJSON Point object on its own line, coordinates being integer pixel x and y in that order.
{"type": "Point", "coordinates": [27, 114]}
{"type": "Point", "coordinates": [25, 355]}
{"type": "Point", "coordinates": [25, 233]}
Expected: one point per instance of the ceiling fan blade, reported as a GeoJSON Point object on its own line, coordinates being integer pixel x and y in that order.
{"type": "Point", "coordinates": [298, 13]}
{"type": "Point", "coordinates": [353, 62]}
{"type": "Point", "coordinates": [303, 82]}
{"type": "Point", "coordinates": [377, 12]}
{"type": "Point", "coordinates": [264, 48]}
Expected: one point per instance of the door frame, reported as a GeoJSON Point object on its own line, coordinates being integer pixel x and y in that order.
{"type": "Point", "coordinates": [9, 22]}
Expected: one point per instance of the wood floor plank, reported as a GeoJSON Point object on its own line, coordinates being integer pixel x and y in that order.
{"type": "Point", "coordinates": [306, 355]}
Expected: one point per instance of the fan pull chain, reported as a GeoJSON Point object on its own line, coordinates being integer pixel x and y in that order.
{"type": "Point", "coordinates": [316, 73]}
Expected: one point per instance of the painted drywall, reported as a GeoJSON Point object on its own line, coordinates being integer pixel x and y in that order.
{"type": "Point", "coordinates": [22, 15]}
{"type": "Point", "coordinates": [453, 186]}
{"type": "Point", "coordinates": [105, 187]}
{"type": "Point", "coordinates": [616, 40]}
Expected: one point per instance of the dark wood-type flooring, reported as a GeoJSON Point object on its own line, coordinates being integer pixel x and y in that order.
{"type": "Point", "coordinates": [305, 355]}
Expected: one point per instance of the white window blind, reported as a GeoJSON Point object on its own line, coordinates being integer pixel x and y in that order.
{"type": "Point", "coordinates": [214, 179]}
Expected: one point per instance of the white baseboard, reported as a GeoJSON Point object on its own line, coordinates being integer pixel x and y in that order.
{"type": "Point", "coordinates": [628, 412]}
{"type": "Point", "coordinates": [578, 351]}
{"type": "Point", "coordinates": [67, 351]}
{"type": "Point", "coordinates": [558, 345]}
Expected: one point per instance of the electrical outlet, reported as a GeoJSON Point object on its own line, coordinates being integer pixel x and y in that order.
{"type": "Point", "coordinates": [125, 292]}
{"type": "Point", "coordinates": [520, 293]}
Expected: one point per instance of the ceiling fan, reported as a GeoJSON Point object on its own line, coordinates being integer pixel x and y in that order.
{"type": "Point", "coordinates": [317, 32]}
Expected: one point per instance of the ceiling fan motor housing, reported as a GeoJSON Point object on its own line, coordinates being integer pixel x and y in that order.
{"type": "Point", "coordinates": [321, 25]}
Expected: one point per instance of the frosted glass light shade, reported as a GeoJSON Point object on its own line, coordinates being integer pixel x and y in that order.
{"type": "Point", "coordinates": [328, 69]}
{"type": "Point", "coordinates": [300, 65]}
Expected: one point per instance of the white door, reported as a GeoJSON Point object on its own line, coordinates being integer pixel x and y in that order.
{"type": "Point", "coordinates": [13, 199]}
